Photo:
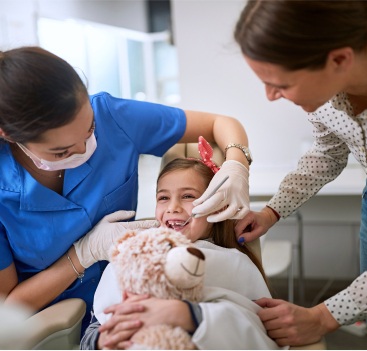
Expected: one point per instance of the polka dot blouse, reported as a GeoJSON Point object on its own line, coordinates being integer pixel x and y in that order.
{"type": "Point", "coordinates": [350, 305]}
{"type": "Point", "coordinates": [337, 132]}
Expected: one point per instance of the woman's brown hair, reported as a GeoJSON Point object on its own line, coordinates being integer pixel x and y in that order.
{"type": "Point", "coordinates": [297, 34]}
{"type": "Point", "coordinates": [38, 91]}
{"type": "Point", "coordinates": [223, 233]}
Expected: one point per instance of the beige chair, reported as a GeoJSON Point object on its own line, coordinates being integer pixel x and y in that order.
{"type": "Point", "coordinates": [59, 326]}
{"type": "Point", "coordinates": [56, 327]}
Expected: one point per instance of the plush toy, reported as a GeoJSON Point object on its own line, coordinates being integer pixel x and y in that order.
{"type": "Point", "coordinates": [163, 263]}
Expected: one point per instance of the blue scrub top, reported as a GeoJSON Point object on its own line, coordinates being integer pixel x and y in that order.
{"type": "Point", "coordinates": [38, 226]}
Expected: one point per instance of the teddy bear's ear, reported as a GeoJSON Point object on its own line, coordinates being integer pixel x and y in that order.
{"type": "Point", "coordinates": [185, 267]}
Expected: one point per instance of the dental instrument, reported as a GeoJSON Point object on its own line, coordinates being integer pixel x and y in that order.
{"type": "Point", "coordinates": [208, 197]}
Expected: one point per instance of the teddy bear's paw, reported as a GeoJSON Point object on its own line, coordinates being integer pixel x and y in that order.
{"type": "Point", "coordinates": [162, 337]}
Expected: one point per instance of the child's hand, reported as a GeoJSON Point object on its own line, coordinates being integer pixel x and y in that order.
{"type": "Point", "coordinates": [158, 311]}
{"type": "Point", "coordinates": [138, 310]}
{"type": "Point", "coordinates": [117, 331]}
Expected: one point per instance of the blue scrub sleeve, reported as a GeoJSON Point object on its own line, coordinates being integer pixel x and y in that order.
{"type": "Point", "coordinates": [6, 257]}
{"type": "Point", "coordinates": [150, 127]}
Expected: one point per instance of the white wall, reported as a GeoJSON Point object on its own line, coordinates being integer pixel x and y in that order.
{"type": "Point", "coordinates": [214, 77]}
{"type": "Point", "coordinates": [17, 23]}
{"type": "Point", "coordinates": [18, 17]}
{"type": "Point", "coordinates": [120, 13]}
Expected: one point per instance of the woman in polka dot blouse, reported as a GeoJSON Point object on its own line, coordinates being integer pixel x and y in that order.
{"type": "Point", "coordinates": [313, 53]}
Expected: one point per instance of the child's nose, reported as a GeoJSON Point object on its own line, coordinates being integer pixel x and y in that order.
{"type": "Point", "coordinates": [173, 207]}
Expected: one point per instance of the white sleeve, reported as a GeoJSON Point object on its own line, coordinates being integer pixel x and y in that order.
{"type": "Point", "coordinates": [230, 322]}
{"type": "Point", "coordinates": [108, 293]}
{"type": "Point", "coordinates": [232, 270]}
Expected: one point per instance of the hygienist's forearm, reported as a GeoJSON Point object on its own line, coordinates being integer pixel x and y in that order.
{"type": "Point", "coordinates": [228, 131]}
{"type": "Point", "coordinates": [39, 290]}
{"type": "Point", "coordinates": [221, 129]}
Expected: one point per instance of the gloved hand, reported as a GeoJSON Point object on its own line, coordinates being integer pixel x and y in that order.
{"type": "Point", "coordinates": [95, 245]}
{"type": "Point", "coordinates": [232, 198]}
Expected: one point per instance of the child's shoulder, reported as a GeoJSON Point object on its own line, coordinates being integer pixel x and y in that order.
{"type": "Point", "coordinates": [207, 244]}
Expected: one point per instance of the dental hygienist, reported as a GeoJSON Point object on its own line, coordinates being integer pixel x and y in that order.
{"type": "Point", "coordinates": [69, 173]}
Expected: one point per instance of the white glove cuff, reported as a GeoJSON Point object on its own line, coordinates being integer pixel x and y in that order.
{"type": "Point", "coordinates": [234, 163]}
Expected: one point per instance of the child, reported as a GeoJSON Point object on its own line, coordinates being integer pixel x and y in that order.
{"type": "Point", "coordinates": [227, 319]}
{"type": "Point", "coordinates": [196, 175]}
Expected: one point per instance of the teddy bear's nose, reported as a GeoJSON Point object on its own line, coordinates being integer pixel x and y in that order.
{"type": "Point", "coordinates": [185, 267]}
{"type": "Point", "coordinates": [196, 252]}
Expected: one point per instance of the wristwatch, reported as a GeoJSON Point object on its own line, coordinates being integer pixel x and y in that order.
{"type": "Point", "coordinates": [244, 149]}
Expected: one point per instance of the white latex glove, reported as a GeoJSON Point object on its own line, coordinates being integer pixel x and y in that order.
{"type": "Point", "coordinates": [232, 198]}
{"type": "Point", "coordinates": [95, 245]}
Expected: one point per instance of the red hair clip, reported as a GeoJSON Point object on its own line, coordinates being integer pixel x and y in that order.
{"type": "Point", "coordinates": [206, 153]}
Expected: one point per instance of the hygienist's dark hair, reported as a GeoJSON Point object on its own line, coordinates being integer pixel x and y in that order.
{"type": "Point", "coordinates": [38, 91]}
{"type": "Point", "coordinates": [298, 34]}
{"type": "Point", "coordinates": [223, 233]}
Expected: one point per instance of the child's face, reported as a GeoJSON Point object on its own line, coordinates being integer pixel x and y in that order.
{"type": "Point", "coordinates": [175, 193]}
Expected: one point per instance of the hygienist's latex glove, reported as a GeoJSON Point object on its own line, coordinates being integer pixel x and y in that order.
{"type": "Point", "coordinates": [95, 245]}
{"type": "Point", "coordinates": [232, 198]}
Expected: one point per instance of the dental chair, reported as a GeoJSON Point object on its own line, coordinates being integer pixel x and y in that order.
{"type": "Point", "coordinates": [58, 326]}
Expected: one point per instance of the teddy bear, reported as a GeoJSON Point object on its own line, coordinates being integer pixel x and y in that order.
{"type": "Point", "coordinates": [163, 263]}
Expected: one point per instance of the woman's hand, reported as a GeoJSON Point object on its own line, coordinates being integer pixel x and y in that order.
{"type": "Point", "coordinates": [292, 325]}
{"type": "Point", "coordinates": [255, 224]}
{"type": "Point", "coordinates": [231, 201]}
{"type": "Point", "coordinates": [95, 245]}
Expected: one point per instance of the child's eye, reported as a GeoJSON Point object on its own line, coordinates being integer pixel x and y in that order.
{"type": "Point", "coordinates": [162, 198]}
{"type": "Point", "coordinates": [61, 154]}
{"type": "Point", "coordinates": [188, 196]}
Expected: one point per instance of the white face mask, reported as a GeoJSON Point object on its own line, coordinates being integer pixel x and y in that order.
{"type": "Point", "coordinates": [72, 161]}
